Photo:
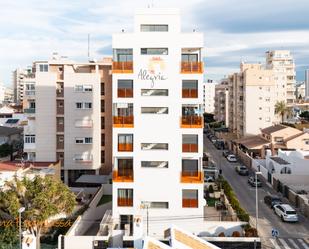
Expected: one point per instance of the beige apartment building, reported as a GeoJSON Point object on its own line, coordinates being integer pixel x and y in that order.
{"type": "Point", "coordinates": [282, 62]}
{"type": "Point", "coordinates": [221, 110]}
{"type": "Point", "coordinates": [69, 108]}
{"type": "Point", "coordinates": [251, 99]}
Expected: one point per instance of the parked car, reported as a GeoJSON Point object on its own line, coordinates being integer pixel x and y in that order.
{"type": "Point", "coordinates": [254, 182]}
{"type": "Point", "coordinates": [272, 200]}
{"type": "Point", "coordinates": [225, 153]}
{"type": "Point", "coordinates": [242, 170]}
{"type": "Point", "coordinates": [219, 144]}
{"type": "Point", "coordinates": [231, 158]}
{"type": "Point", "coordinates": [286, 212]}
{"type": "Point", "coordinates": [209, 179]}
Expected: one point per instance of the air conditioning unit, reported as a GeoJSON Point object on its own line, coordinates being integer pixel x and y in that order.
{"type": "Point", "coordinates": [95, 243]}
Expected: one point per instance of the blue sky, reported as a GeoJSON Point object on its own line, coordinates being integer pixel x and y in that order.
{"type": "Point", "coordinates": [234, 30]}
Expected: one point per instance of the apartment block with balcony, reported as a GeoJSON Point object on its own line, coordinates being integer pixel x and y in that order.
{"type": "Point", "coordinates": [221, 101]}
{"type": "Point", "coordinates": [157, 122]}
{"type": "Point", "coordinates": [282, 62]}
{"type": "Point", "coordinates": [69, 111]}
{"type": "Point", "coordinates": [251, 99]}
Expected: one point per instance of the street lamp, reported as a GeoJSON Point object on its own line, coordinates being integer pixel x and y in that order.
{"type": "Point", "coordinates": [256, 200]}
{"type": "Point", "coordinates": [22, 209]}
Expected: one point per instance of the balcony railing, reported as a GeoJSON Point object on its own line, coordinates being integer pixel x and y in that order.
{"type": "Point", "coordinates": [123, 176]}
{"type": "Point", "coordinates": [190, 203]}
{"type": "Point", "coordinates": [125, 93]}
{"type": "Point", "coordinates": [189, 147]}
{"type": "Point", "coordinates": [124, 202]}
{"type": "Point", "coordinates": [29, 110]}
{"type": "Point", "coordinates": [192, 67]}
{"type": "Point", "coordinates": [123, 121]}
{"type": "Point", "coordinates": [125, 147]}
{"type": "Point", "coordinates": [122, 66]}
{"type": "Point", "coordinates": [189, 93]}
{"type": "Point", "coordinates": [192, 121]}
{"type": "Point", "coordinates": [191, 177]}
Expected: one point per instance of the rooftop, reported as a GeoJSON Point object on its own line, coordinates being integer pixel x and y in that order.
{"type": "Point", "coordinates": [273, 128]}
{"type": "Point", "coordinates": [7, 131]}
{"type": "Point", "coordinates": [253, 142]}
{"type": "Point", "coordinates": [279, 160]}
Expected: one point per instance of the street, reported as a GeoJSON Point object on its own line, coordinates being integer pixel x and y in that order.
{"type": "Point", "coordinates": [291, 235]}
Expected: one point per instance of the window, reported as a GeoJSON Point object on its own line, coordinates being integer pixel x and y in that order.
{"type": "Point", "coordinates": [102, 105]}
{"type": "Point", "coordinates": [154, 164]}
{"type": "Point", "coordinates": [154, 51]}
{"type": "Point", "coordinates": [306, 141]}
{"type": "Point", "coordinates": [154, 110]}
{"type": "Point", "coordinates": [155, 204]}
{"type": "Point", "coordinates": [125, 89]}
{"type": "Point", "coordinates": [125, 197]}
{"type": "Point", "coordinates": [60, 139]}
{"type": "Point", "coordinates": [189, 57]}
{"type": "Point", "coordinates": [267, 99]}
{"type": "Point", "coordinates": [125, 142]}
{"type": "Point", "coordinates": [102, 139]}
{"type": "Point", "coordinates": [83, 157]}
{"type": "Point", "coordinates": [29, 139]}
{"type": "Point", "coordinates": [87, 105]}
{"type": "Point", "coordinates": [79, 140]}
{"type": "Point", "coordinates": [78, 88]}
{"type": "Point", "coordinates": [88, 140]}
{"type": "Point", "coordinates": [154, 92]}
{"type": "Point", "coordinates": [102, 122]}
{"type": "Point", "coordinates": [79, 105]}
{"type": "Point", "coordinates": [32, 105]}
{"type": "Point", "coordinates": [190, 143]}
{"type": "Point", "coordinates": [189, 165]}
{"type": "Point", "coordinates": [279, 139]}
{"type": "Point", "coordinates": [190, 89]}
{"type": "Point", "coordinates": [43, 67]}
{"type": "Point", "coordinates": [154, 146]}
{"type": "Point", "coordinates": [190, 198]}
{"type": "Point", "coordinates": [122, 55]}
{"type": "Point", "coordinates": [87, 88]}
{"type": "Point", "coordinates": [154, 28]}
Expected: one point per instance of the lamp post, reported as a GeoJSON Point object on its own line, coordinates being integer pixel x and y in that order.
{"type": "Point", "coordinates": [22, 209]}
{"type": "Point", "coordinates": [256, 200]}
{"type": "Point", "coordinates": [146, 205]}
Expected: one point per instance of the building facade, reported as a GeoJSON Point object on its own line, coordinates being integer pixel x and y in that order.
{"type": "Point", "coordinates": [282, 62]}
{"type": "Point", "coordinates": [157, 122]}
{"type": "Point", "coordinates": [221, 110]}
{"type": "Point", "coordinates": [251, 99]}
{"type": "Point", "coordinates": [209, 96]}
{"type": "Point", "coordinates": [68, 106]}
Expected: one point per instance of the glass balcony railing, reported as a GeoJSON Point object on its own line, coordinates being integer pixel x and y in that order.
{"type": "Point", "coordinates": [192, 67]}
{"type": "Point", "coordinates": [125, 147]}
{"type": "Point", "coordinates": [189, 93]}
{"type": "Point", "coordinates": [123, 176]}
{"type": "Point", "coordinates": [189, 203]}
{"type": "Point", "coordinates": [122, 66]}
{"type": "Point", "coordinates": [189, 147]}
{"type": "Point", "coordinates": [124, 202]}
{"type": "Point", "coordinates": [123, 121]}
{"type": "Point", "coordinates": [191, 121]}
{"type": "Point", "coordinates": [191, 177]}
{"type": "Point", "coordinates": [125, 93]}
{"type": "Point", "coordinates": [29, 110]}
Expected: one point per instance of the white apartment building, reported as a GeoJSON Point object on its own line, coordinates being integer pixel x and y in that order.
{"type": "Point", "coordinates": [19, 77]}
{"type": "Point", "coordinates": [282, 62]}
{"type": "Point", "coordinates": [6, 95]}
{"type": "Point", "coordinates": [66, 106]}
{"type": "Point", "coordinates": [221, 108]}
{"type": "Point", "coordinates": [157, 123]}
{"type": "Point", "coordinates": [209, 96]}
{"type": "Point", "coordinates": [251, 99]}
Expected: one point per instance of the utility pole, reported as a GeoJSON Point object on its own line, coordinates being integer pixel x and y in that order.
{"type": "Point", "coordinates": [88, 47]}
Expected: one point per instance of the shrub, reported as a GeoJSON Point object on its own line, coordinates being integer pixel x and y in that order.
{"type": "Point", "coordinates": [251, 232]}
{"type": "Point", "coordinates": [236, 234]}
{"type": "Point", "coordinates": [210, 189]}
{"type": "Point", "coordinates": [222, 234]}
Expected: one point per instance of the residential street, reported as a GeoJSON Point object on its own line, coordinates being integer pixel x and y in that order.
{"type": "Point", "coordinates": [291, 235]}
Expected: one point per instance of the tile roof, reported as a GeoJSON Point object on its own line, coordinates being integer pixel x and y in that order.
{"type": "Point", "coordinates": [252, 142]}
{"type": "Point", "coordinates": [279, 160]}
{"type": "Point", "coordinates": [274, 128]}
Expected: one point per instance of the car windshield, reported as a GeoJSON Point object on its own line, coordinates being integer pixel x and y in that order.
{"type": "Point", "coordinates": [290, 212]}
{"type": "Point", "coordinates": [243, 167]}
{"type": "Point", "coordinates": [276, 199]}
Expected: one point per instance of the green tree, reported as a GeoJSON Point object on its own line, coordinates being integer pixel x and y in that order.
{"type": "Point", "coordinates": [305, 115]}
{"type": "Point", "coordinates": [281, 109]}
{"type": "Point", "coordinates": [42, 199]}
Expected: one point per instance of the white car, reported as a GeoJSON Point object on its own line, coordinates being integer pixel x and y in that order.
{"type": "Point", "coordinates": [231, 158]}
{"type": "Point", "coordinates": [286, 212]}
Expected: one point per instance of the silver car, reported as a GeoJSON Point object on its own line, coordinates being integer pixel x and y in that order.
{"type": "Point", "coordinates": [286, 212]}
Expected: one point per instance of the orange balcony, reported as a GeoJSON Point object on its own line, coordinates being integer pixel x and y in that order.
{"type": "Point", "coordinates": [125, 147]}
{"type": "Point", "coordinates": [191, 122]}
{"type": "Point", "coordinates": [122, 66]}
{"type": "Point", "coordinates": [123, 176]}
{"type": "Point", "coordinates": [189, 93]}
{"type": "Point", "coordinates": [123, 121]}
{"type": "Point", "coordinates": [191, 177]}
{"type": "Point", "coordinates": [192, 67]}
{"type": "Point", "coordinates": [189, 203]}
{"type": "Point", "coordinates": [124, 202]}
{"type": "Point", "coordinates": [189, 148]}
{"type": "Point", "coordinates": [125, 93]}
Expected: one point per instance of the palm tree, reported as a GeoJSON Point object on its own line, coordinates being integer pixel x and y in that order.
{"type": "Point", "coordinates": [281, 109]}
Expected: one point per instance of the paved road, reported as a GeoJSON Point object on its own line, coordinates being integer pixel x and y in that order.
{"type": "Point", "coordinates": [291, 235]}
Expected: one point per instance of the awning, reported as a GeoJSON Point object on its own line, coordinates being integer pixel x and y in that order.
{"type": "Point", "coordinates": [97, 179]}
